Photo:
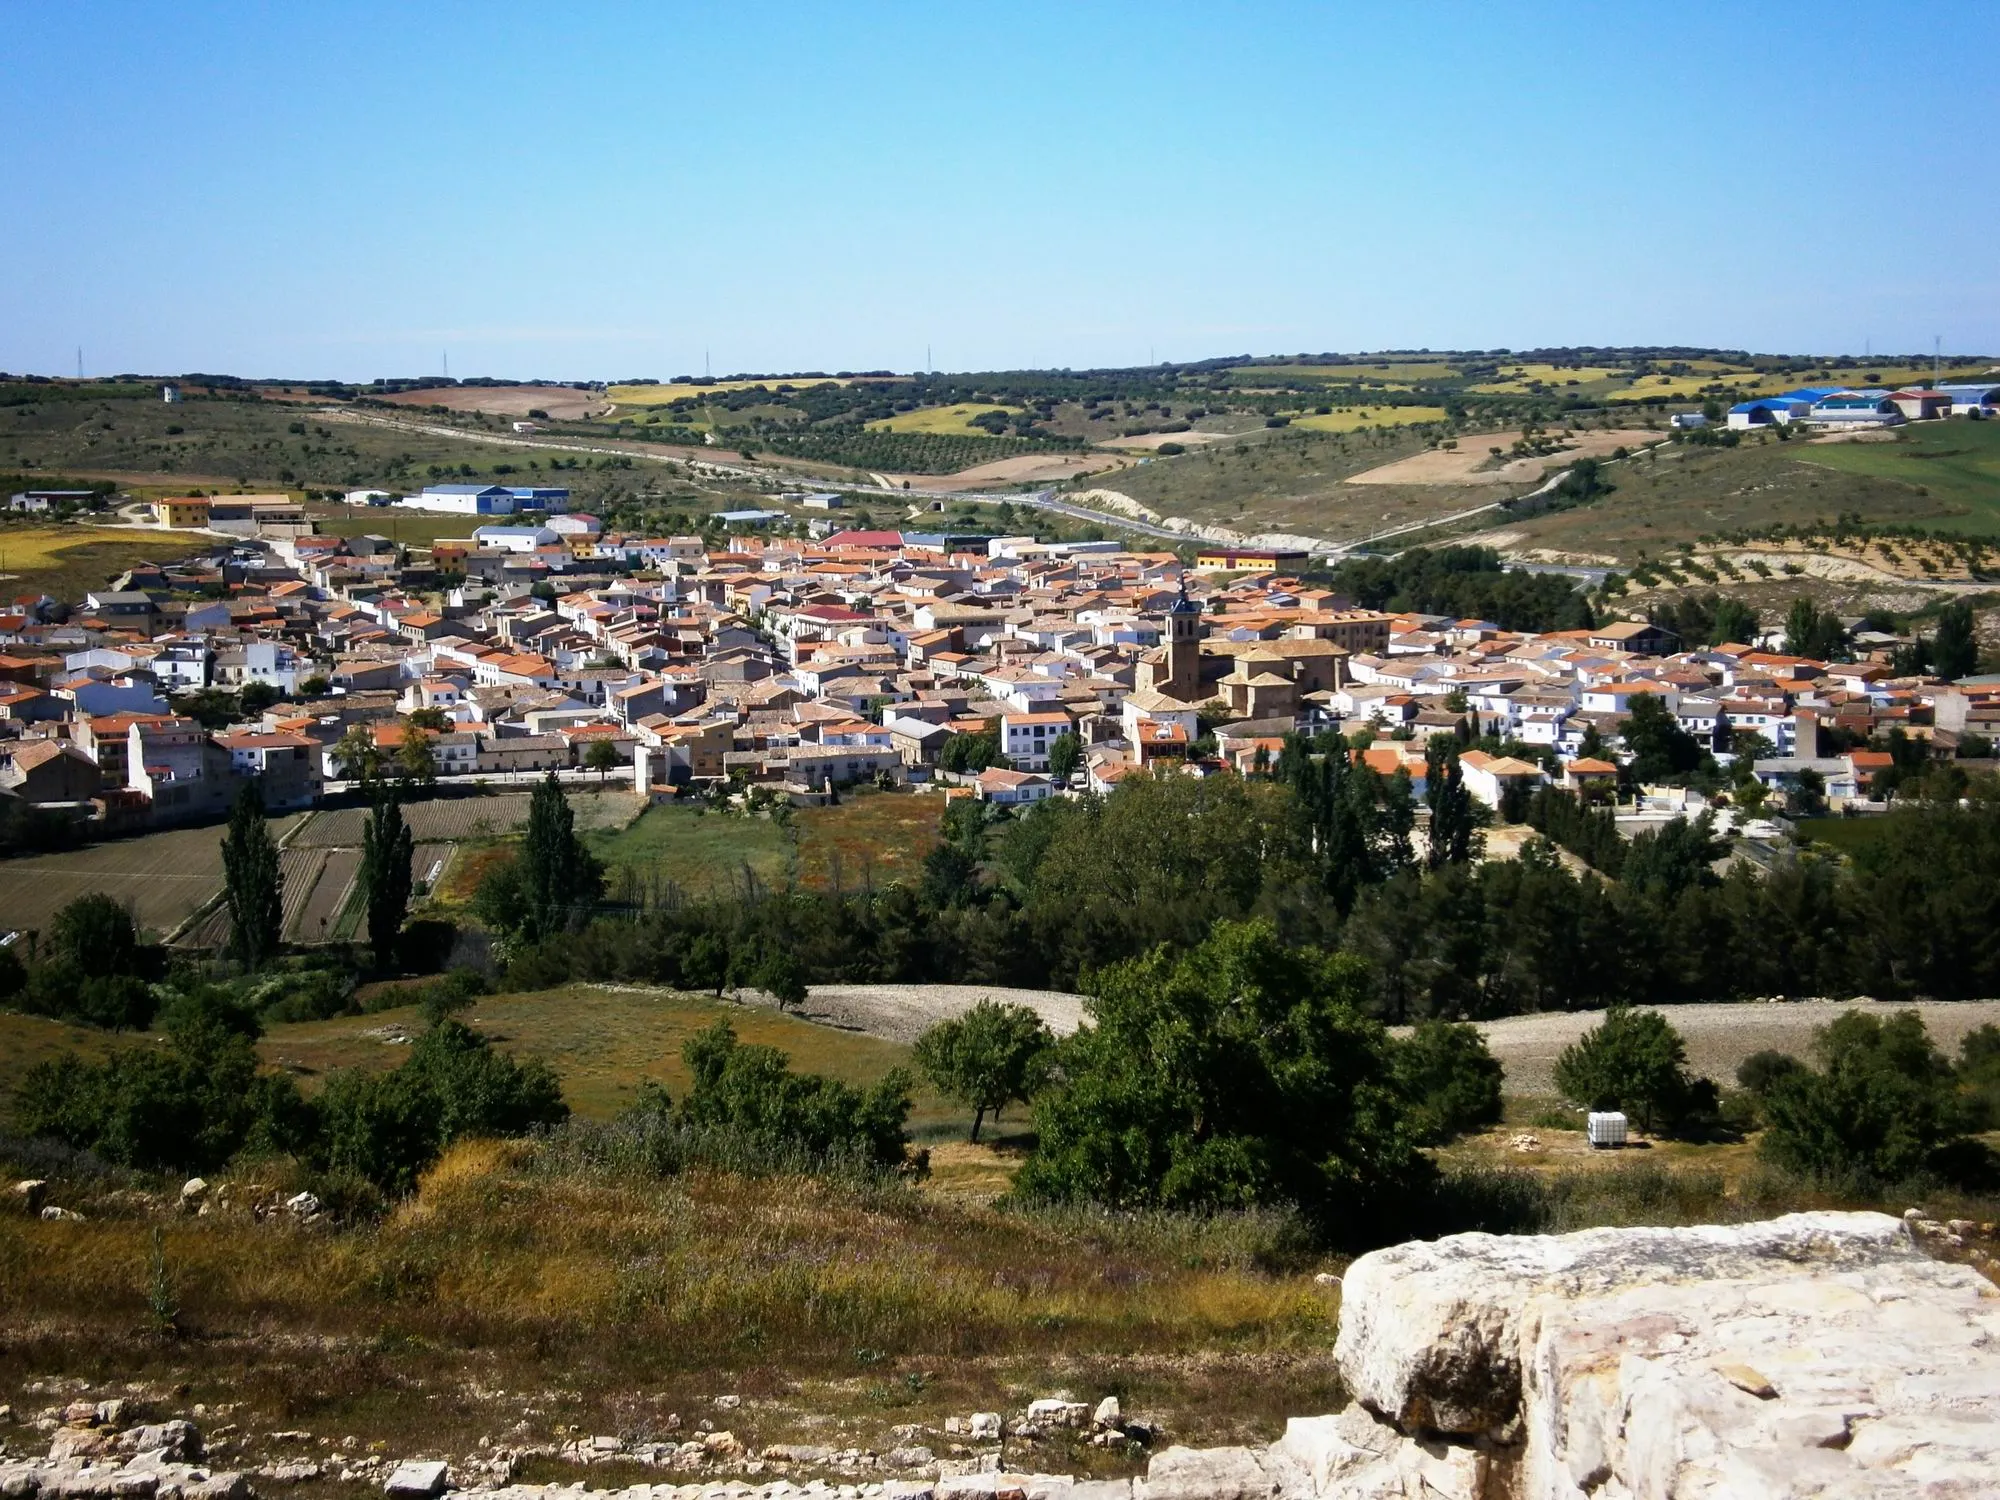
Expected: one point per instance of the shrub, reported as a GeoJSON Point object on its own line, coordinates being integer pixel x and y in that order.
{"type": "Point", "coordinates": [388, 1127]}
{"type": "Point", "coordinates": [1761, 1072]}
{"type": "Point", "coordinates": [1634, 1060]}
{"type": "Point", "coordinates": [1451, 1079]}
{"type": "Point", "coordinates": [752, 1090]}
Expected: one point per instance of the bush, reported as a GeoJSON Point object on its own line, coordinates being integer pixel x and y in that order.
{"type": "Point", "coordinates": [752, 1091]}
{"type": "Point", "coordinates": [1634, 1061]}
{"type": "Point", "coordinates": [1761, 1072]}
{"type": "Point", "coordinates": [1882, 1106]}
{"type": "Point", "coordinates": [188, 1106]}
{"type": "Point", "coordinates": [1451, 1080]}
{"type": "Point", "coordinates": [389, 1127]}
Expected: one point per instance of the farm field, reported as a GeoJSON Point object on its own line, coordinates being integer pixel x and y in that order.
{"type": "Point", "coordinates": [1351, 419]}
{"type": "Point", "coordinates": [869, 838]}
{"type": "Point", "coordinates": [447, 819]}
{"type": "Point", "coordinates": [411, 528]}
{"type": "Point", "coordinates": [1957, 462]}
{"type": "Point", "coordinates": [1683, 493]}
{"type": "Point", "coordinates": [1520, 379]}
{"type": "Point", "coordinates": [1472, 462]}
{"type": "Point", "coordinates": [562, 403]}
{"type": "Point", "coordinates": [165, 876]}
{"type": "Point", "coordinates": [955, 420]}
{"type": "Point", "coordinates": [66, 562]}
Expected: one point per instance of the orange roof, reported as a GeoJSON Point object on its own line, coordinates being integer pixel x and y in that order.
{"type": "Point", "coordinates": [1585, 765]}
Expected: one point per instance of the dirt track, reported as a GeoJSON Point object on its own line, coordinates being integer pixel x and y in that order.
{"type": "Point", "coordinates": [901, 1012]}
{"type": "Point", "coordinates": [1718, 1036]}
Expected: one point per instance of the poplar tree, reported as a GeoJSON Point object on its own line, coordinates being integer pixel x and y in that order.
{"type": "Point", "coordinates": [558, 875]}
{"type": "Point", "coordinates": [1453, 838]}
{"type": "Point", "coordinates": [386, 850]}
{"type": "Point", "coordinates": [252, 882]}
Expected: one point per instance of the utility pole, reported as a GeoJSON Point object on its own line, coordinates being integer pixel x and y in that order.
{"type": "Point", "coordinates": [79, 361]}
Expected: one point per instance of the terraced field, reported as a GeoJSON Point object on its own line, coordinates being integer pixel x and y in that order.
{"type": "Point", "coordinates": [165, 876]}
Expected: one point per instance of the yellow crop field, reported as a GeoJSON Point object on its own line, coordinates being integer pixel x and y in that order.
{"type": "Point", "coordinates": [667, 395]}
{"type": "Point", "coordinates": [1351, 419]}
{"type": "Point", "coordinates": [953, 421]}
{"type": "Point", "coordinates": [26, 548]}
{"type": "Point", "coordinates": [1515, 379]}
{"type": "Point", "coordinates": [1744, 382]}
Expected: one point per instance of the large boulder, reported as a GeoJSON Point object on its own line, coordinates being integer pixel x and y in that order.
{"type": "Point", "coordinates": [1430, 1331]}
{"type": "Point", "coordinates": [1814, 1355]}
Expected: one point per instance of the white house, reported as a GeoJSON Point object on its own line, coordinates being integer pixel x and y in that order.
{"type": "Point", "coordinates": [515, 538]}
{"type": "Point", "coordinates": [1025, 738]}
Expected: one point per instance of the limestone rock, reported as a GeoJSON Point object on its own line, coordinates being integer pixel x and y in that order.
{"type": "Point", "coordinates": [985, 1426]}
{"type": "Point", "coordinates": [1210, 1474]}
{"type": "Point", "coordinates": [411, 1481]}
{"type": "Point", "coordinates": [1430, 1333]}
{"type": "Point", "coordinates": [1109, 1413]}
{"type": "Point", "coordinates": [1053, 1412]}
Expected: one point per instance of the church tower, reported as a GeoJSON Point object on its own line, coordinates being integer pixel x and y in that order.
{"type": "Point", "coordinates": [1183, 650]}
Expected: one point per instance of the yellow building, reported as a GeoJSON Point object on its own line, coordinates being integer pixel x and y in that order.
{"type": "Point", "coordinates": [186, 510]}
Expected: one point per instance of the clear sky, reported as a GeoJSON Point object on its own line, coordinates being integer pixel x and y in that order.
{"type": "Point", "coordinates": [598, 190]}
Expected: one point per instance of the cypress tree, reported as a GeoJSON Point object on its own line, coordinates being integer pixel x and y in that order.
{"type": "Point", "coordinates": [1452, 824]}
{"type": "Point", "coordinates": [386, 851]}
{"type": "Point", "coordinates": [253, 884]}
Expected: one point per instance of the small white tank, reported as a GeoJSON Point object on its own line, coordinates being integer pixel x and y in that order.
{"type": "Point", "coordinates": [1606, 1130]}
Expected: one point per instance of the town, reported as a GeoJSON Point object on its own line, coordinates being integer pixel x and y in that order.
{"type": "Point", "coordinates": [997, 667]}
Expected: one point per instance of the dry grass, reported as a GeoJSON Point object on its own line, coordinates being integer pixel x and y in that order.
{"type": "Point", "coordinates": [515, 1286]}
{"type": "Point", "coordinates": [956, 420]}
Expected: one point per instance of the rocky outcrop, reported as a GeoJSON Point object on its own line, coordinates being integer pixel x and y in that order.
{"type": "Point", "coordinates": [1814, 1355]}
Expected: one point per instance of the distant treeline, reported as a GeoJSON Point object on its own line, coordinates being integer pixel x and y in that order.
{"type": "Point", "coordinates": [1054, 896]}
{"type": "Point", "coordinates": [1464, 583]}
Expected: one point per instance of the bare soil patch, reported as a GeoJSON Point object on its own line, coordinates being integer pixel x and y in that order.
{"type": "Point", "coordinates": [561, 402]}
{"type": "Point", "coordinates": [1025, 468]}
{"type": "Point", "coordinates": [1148, 441]}
{"type": "Point", "coordinates": [1718, 1036]}
{"type": "Point", "coordinates": [1461, 465]}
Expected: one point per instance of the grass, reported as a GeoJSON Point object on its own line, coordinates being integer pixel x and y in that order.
{"type": "Point", "coordinates": [603, 1043]}
{"type": "Point", "coordinates": [954, 420]}
{"type": "Point", "coordinates": [869, 838]}
{"type": "Point", "coordinates": [1690, 492]}
{"type": "Point", "coordinates": [27, 1040]}
{"type": "Point", "coordinates": [66, 562]}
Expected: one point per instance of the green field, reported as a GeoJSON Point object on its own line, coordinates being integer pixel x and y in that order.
{"type": "Point", "coordinates": [1955, 463]}
{"type": "Point", "coordinates": [869, 838]}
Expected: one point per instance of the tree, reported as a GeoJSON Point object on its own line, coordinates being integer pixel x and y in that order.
{"type": "Point", "coordinates": [416, 757]}
{"type": "Point", "coordinates": [559, 878]}
{"type": "Point", "coordinates": [1734, 621]}
{"type": "Point", "coordinates": [256, 697]}
{"type": "Point", "coordinates": [782, 977]}
{"type": "Point", "coordinates": [358, 756]}
{"type": "Point", "coordinates": [988, 1058]}
{"type": "Point", "coordinates": [1236, 1074]}
{"type": "Point", "coordinates": [314, 687]}
{"type": "Point", "coordinates": [1453, 835]}
{"type": "Point", "coordinates": [1955, 649]}
{"type": "Point", "coordinates": [1660, 748]}
{"type": "Point", "coordinates": [1809, 632]}
{"type": "Point", "coordinates": [428, 717]}
{"type": "Point", "coordinates": [602, 757]}
{"type": "Point", "coordinates": [1880, 1107]}
{"type": "Point", "coordinates": [95, 935]}
{"type": "Point", "coordinates": [1633, 1061]}
{"type": "Point", "coordinates": [386, 851]}
{"type": "Point", "coordinates": [1065, 755]}
{"type": "Point", "coordinates": [253, 884]}
{"type": "Point", "coordinates": [752, 1092]}
{"type": "Point", "coordinates": [1451, 1080]}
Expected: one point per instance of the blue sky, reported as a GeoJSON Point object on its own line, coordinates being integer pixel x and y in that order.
{"type": "Point", "coordinates": [603, 190]}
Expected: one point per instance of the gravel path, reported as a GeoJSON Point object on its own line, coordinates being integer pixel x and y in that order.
{"type": "Point", "coordinates": [901, 1012]}
{"type": "Point", "coordinates": [1718, 1036]}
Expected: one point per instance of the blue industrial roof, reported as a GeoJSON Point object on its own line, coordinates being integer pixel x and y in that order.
{"type": "Point", "coordinates": [1815, 392]}
{"type": "Point", "coordinates": [467, 489]}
